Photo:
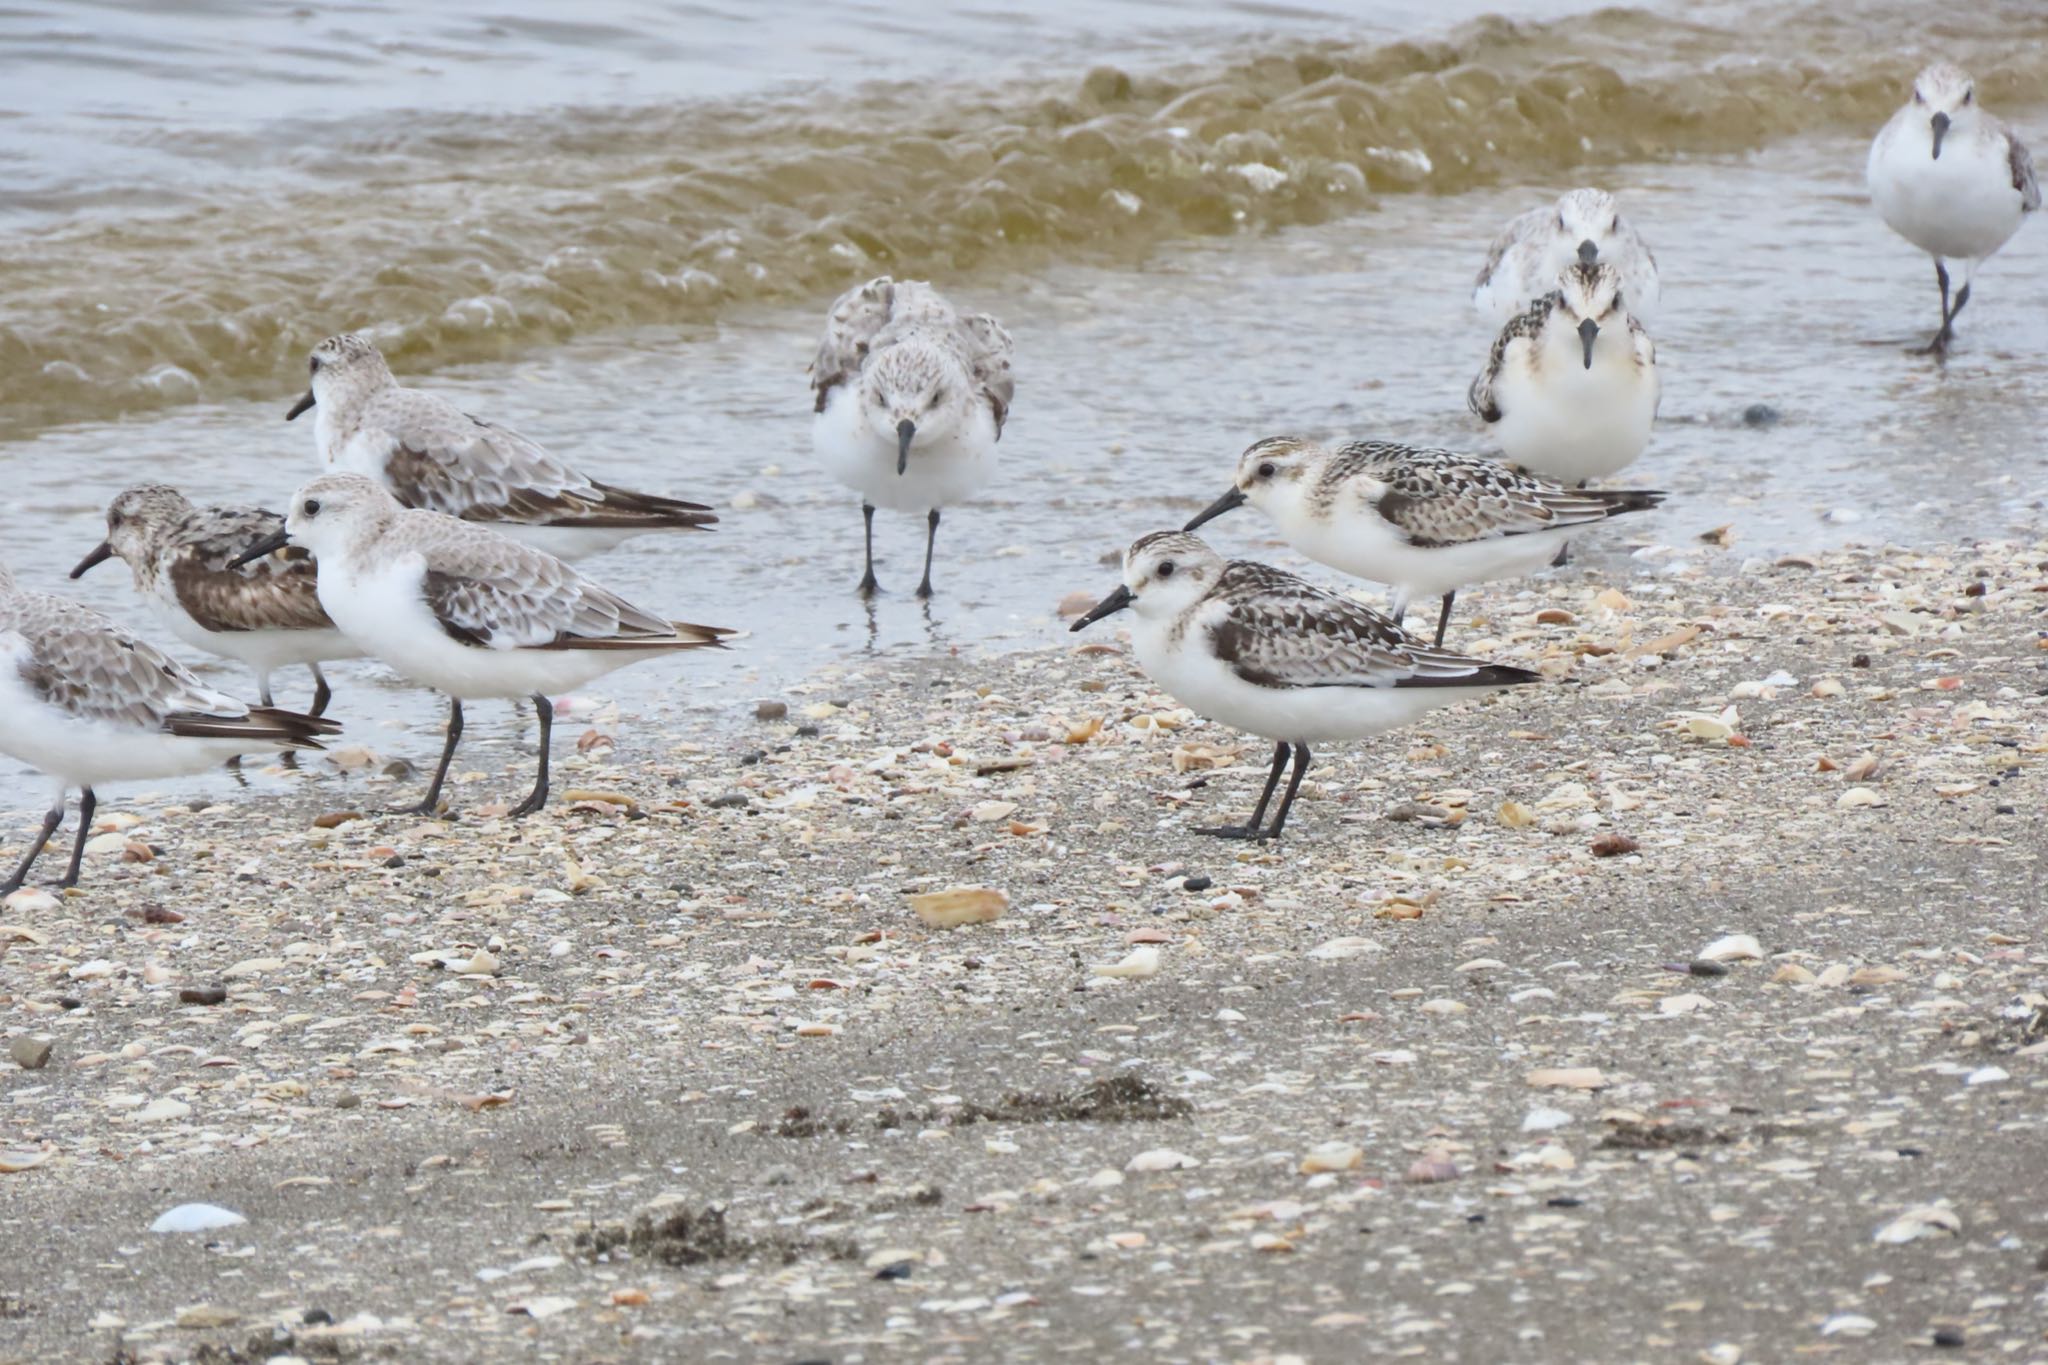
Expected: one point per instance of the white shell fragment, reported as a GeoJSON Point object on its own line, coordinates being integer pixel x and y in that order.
{"type": "Point", "coordinates": [196, 1218]}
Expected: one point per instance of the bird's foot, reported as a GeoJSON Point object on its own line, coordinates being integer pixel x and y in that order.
{"type": "Point", "coordinates": [868, 587]}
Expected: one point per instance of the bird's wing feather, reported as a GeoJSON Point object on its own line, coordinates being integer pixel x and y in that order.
{"type": "Point", "coordinates": [857, 317]}
{"type": "Point", "coordinates": [277, 592]}
{"type": "Point", "coordinates": [495, 593]}
{"type": "Point", "coordinates": [2023, 179]}
{"type": "Point", "coordinates": [988, 357]}
{"type": "Point", "coordinates": [1275, 630]}
{"type": "Point", "coordinates": [1440, 497]}
{"type": "Point", "coordinates": [86, 666]}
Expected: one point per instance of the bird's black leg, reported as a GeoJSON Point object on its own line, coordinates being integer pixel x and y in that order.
{"type": "Point", "coordinates": [538, 797]}
{"type": "Point", "coordinates": [931, 536]}
{"type": "Point", "coordinates": [1443, 618]}
{"type": "Point", "coordinates": [54, 818]}
{"type": "Point", "coordinates": [868, 585]}
{"type": "Point", "coordinates": [1939, 346]}
{"type": "Point", "coordinates": [1293, 786]}
{"type": "Point", "coordinates": [322, 693]}
{"type": "Point", "coordinates": [1250, 828]}
{"type": "Point", "coordinates": [87, 803]}
{"type": "Point", "coordinates": [432, 804]}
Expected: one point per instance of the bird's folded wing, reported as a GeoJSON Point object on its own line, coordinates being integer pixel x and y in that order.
{"type": "Point", "coordinates": [439, 458]}
{"type": "Point", "coordinates": [497, 594]}
{"type": "Point", "coordinates": [276, 592]}
{"type": "Point", "coordinates": [84, 665]}
{"type": "Point", "coordinates": [2023, 179]}
{"type": "Point", "coordinates": [989, 349]}
{"type": "Point", "coordinates": [856, 318]}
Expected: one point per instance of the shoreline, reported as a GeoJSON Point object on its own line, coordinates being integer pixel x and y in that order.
{"type": "Point", "coordinates": [442, 1050]}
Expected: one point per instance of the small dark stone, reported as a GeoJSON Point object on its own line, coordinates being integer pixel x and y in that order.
{"type": "Point", "coordinates": [808, 732]}
{"type": "Point", "coordinates": [69, 1002]}
{"type": "Point", "coordinates": [1910, 1152]}
{"type": "Point", "coordinates": [730, 801]}
{"type": "Point", "coordinates": [1950, 1336]}
{"type": "Point", "coordinates": [348, 1099]}
{"type": "Point", "coordinates": [202, 995]}
{"type": "Point", "coordinates": [1564, 1201]}
{"type": "Point", "coordinates": [2008, 810]}
{"type": "Point", "coordinates": [751, 757]}
{"type": "Point", "coordinates": [770, 710]}
{"type": "Point", "coordinates": [895, 1270]}
{"type": "Point", "coordinates": [1700, 966]}
{"type": "Point", "coordinates": [1761, 415]}
{"type": "Point", "coordinates": [1197, 884]}
{"type": "Point", "coordinates": [1860, 661]}
{"type": "Point", "coordinates": [1475, 1217]}
{"type": "Point", "coordinates": [395, 860]}
{"type": "Point", "coordinates": [317, 1317]}
{"type": "Point", "coordinates": [430, 872]}
{"type": "Point", "coordinates": [1976, 589]}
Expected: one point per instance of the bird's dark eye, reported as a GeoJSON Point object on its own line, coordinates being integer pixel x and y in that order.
{"type": "Point", "coordinates": [313, 364]}
{"type": "Point", "coordinates": [113, 520]}
{"type": "Point", "coordinates": [1969, 95]}
{"type": "Point", "coordinates": [312, 507]}
{"type": "Point", "coordinates": [1267, 470]}
{"type": "Point", "coordinates": [1919, 98]}
{"type": "Point", "coordinates": [1166, 569]}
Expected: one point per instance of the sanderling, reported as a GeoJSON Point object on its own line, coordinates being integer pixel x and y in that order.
{"type": "Point", "coordinates": [1424, 522]}
{"type": "Point", "coordinates": [1270, 654]}
{"type": "Point", "coordinates": [1952, 180]}
{"type": "Point", "coordinates": [1583, 226]}
{"type": "Point", "coordinates": [465, 610]}
{"type": "Point", "coordinates": [265, 614]}
{"type": "Point", "coordinates": [910, 398]}
{"type": "Point", "coordinates": [1571, 386]}
{"type": "Point", "coordinates": [85, 702]}
{"type": "Point", "coordinates": [433, 455]}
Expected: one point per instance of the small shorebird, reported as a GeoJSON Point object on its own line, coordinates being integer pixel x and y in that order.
{"type": "Point", "coordinates": [85, 702]}
{"type": "Point", "coordinates": [1424, 522]}
{"type": "Point", "coordinates": [1267, 653]}
{"type": "Point", "coordinates": [910, 398]}
{"type": "Point", "coordinates": [431, 454]}
{"type": "Point", "coordinates": [1571, 386]}
{"type": "Point", "coordinates": [1585, 227]}
{"type": "Point", "coordinates": [1952, 180]}
{"type": "Point", "coordinates": [460, 608]}
{"type": "Point", "coordinates": [265, 614]}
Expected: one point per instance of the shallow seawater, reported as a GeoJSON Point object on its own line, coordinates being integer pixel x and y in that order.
{"type": "Point", "coordinates": [1140, 377]}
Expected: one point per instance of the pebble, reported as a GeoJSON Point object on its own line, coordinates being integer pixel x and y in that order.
{"type": "Point", "coordinates": [1332, 1156]}
{"type": "Point", "coordinates": [30, 1052]}
{"type": "Point", "coordinates": [1543, 1119]}
{"type": "Point", "coordinates": [1925, 1220]}
{"type": "Point", "coordinates": [958, 905]}
{"type": "Point", "coordinates": [202, 995]}
{"type": "Point", "coordinates": [1567, 1078]}
{"type": "Point", "coordinates": [771, 710]}
{"type": "Point", "coordinates": [1161, 1159]}
{"type": "Point", "coordinates": [1196, 883]}
{"type": "Point", "coordinates": [1139, 963]}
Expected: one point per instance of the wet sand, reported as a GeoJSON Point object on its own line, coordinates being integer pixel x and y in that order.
{"type": "Point", "coordinates": [1431, 1078]}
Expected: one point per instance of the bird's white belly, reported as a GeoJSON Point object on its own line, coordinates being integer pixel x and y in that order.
{"type": "Point", "coordinates": [261, 650]}
{"type": "Point", "coordinates": [1569, 423]}
{"type": "Point", "coordinates": [1363, 546]}
{"type": "Point", "coordinates": [943, 470]}
{"type": "Point", "coordinates": [1961, 206]}
{"type": "Point", "coordinates": [1200, 681]}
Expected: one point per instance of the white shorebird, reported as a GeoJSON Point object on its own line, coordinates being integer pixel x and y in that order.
{"type": "Point", "coordinates": [265, 614]}
{"type": "Point", "coordinates": [1952, 180]}
{"type": "Point", "coordinates": [910, 398]}
{"type": "Point", "coordinates": [1267, 653]}
{"type": "Point", "coordinates": [85, 702]}
{"type": "Point", "coordinates": [431, 454]}
{"type": "Point", "coordinates": [1424, 522]}
{"type": "Point", "coordinates": [1571, 387]}
{"type": "Point", "coordinates": [1585, 227]}
{"type": "Point", "coordinates": [464, 610]}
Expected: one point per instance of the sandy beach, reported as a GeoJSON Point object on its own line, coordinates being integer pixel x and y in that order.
{"type": "Point", "coordinates": [1689, 1007]}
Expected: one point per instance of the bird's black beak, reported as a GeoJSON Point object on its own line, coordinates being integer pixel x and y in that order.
{"type": "Point", "coordinates": [305, 401]}
{"type": "Point", "coordinates": [101, 553]}
{"type": "Point", "coordinates": [905, 429]}
{"type": "Point", "coordinates": [1108, 606]}
{"type": "Point", "coordinates": [1589, 252]}
{"type": "Point", "coordinates": [1229, 502]}
{"type": "Point", "coordinates": [1587, 331]}
{"type": "Point", "coordinates": [1940, 122]}
{"type": "Point", "coordinates": [268, 545]}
